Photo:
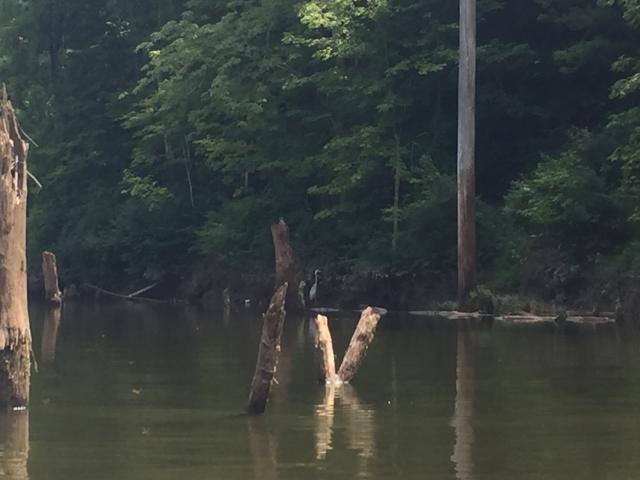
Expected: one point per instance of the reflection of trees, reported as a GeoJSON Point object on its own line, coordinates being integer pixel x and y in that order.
{"type": "Point", "coordinates": [359, 421]}
{"type": "Point", "coordinates": [462, 456]}
{"type": "Point", "coordinates": [263, 449]}
{"type": "Point", "coordinates": [50, 333]}
{"type": "Point", "coordinates": [14, 445]}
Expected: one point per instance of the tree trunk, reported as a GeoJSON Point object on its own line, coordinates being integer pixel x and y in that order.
{"type": "Point", "coordinates": [286, 268]}
{"type": "Point", "coordinates": [466, 152]}
{"type": "Point", "coordinates": [268, 352]}
{"type": "Point", "coordinates": [50, 274]}
{"type": "Point", "coordinates": [15, 335]}
{"type": "Point", "coordinates": [360, 341]}
{"type": "Point", "coordinates": [324, 347]}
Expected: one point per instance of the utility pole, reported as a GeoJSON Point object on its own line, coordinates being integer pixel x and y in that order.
{"type": "Point", "coordinates": [466, 151]}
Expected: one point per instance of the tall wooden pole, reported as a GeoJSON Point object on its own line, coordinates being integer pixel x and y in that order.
{"type": "Point", "coordinates": [466, 151]}
{"type": "Point", "coordinates": [15, 334]}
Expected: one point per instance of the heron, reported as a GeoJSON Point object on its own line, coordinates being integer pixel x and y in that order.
{"type": "Point", "coordinates": [313, 292]}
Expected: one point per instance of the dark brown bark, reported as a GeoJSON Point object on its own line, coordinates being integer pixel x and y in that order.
{"type": "Point", "coordinates": [466, 152]}
{"type": "Point", "coordinates": [268, 352]}
{"type": "Point", "coordinates": [286, 267]}
{"type": "Point", "coordinates": [50, 333]}
{"type": "Point", "coordinates": [324, 347]}
{"type": "Point", "coordinates": [15, 335]}
{"type": "Point", "coordinates": [360, 341]}
{"type": "Point", "coordinates": [50, 274]}
{"type": "Point", "coordinates": [14, 445]}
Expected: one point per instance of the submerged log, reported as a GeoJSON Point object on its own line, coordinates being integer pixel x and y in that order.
{"type": "Point", "coordinates": [268, 352]}
{"type": "Point", "coordinates": [287, 270]}
{"type": "Point", "coordinates": [52, 292]}
{"type": "Point", "coordinates": [15, 334]}
{"type": "Point", "coordinates": [360, 341]}
{"type": "Point", "coordinates": [324, 347]}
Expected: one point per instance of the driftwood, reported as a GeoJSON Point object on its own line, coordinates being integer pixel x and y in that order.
{"type": "Point", "coordinates": [133, 297]}
{"type": "Point", "coordinates": [518, 319]}
{"type": "Point", "coordinates": [360, 341]}
{"type": "Point", "coordinates": [15, 334]}
{"type": "Point", "coordinates": [268, 352]}
{"type": "Point", "coordinates": [287, 270]}
{"type": "Point", "coordinates": [52, 292]}
{"type": "Point", "coordinates": [324, 347]}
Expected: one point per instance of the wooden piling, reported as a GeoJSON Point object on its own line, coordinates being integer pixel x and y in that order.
{"type": "Point", "coordinates": [324, 348]}
{"type": "Point", "coordinates": [52, 292]}
{"type": "Point", "coordinates": [268, 352]}
{"type": "Point", "coordinates": [15, 334]}
{"type": "Point", "coordinates": [287, 270]}
{"type": "Point", "coordinates": [360, 341]}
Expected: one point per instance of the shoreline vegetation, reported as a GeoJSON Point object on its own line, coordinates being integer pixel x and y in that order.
{"type": "Point", "coordinates": [167, 136]}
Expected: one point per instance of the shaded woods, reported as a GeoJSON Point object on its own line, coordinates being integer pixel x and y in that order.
{"type": "Point", "coordinates": [172, 133]}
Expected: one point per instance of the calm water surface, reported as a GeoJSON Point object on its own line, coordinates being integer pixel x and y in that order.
{"type": "Point", "coordinates": [134, 392]}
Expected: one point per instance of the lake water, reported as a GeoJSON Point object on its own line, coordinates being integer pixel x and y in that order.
{"type": "Point", "coordinates": [138, 392]}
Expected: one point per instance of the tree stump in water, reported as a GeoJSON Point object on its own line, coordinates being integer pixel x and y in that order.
{"type": "Point", "coordinates": [324, 346]}
{"type": "Point", "coordinates": [52, 292]}
{"type": "Point", "coordinates": [268, 352]}
{"type": "Point", "coordinates": [15, 334]}
{"type": "Point", "coordinates": [360, 341]}
{"type": "Point", "coordinates": [286, 267]}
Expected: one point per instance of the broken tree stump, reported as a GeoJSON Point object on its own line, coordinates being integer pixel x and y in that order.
{"type": "Point", "coordinates": [324, 347]}
{"type": "Point", "coordinates": [15, 334]}
{"type": "Point", "coordinates": [360, 341]}
{"type": "Point", "coordinates": [287, 270]}
{"type": "Point", "coordinates": [268, 352]}
{"type": "Point", "coordinates": [52, 291]}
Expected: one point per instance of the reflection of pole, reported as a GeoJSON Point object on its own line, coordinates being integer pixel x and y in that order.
{"type": "Point", "coordinates": [462, 457]}
{"type": "Point", "coordinates": [324, 414]}
{"type": "Point", "coordinates": [360, 422]}
{"type": "Point", "coordinates": [50, 333]}
{"type": "Point", "coordinates": [14, 445]}
{"type": "Point", "coordinates": [263, 451]}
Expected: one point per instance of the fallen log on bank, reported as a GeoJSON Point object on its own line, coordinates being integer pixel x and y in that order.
{"type": "Point", "coordinates": [268, 352]}
{"type": "Point", "coordinates": [15, 333]}
{"type": "Point", "coordinates": [517, 319]}
{"type": "Point", "coordinates": [52, 293]}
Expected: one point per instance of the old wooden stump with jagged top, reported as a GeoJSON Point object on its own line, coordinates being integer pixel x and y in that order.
{"type": "Point", "coordinates": [287, 270]}
{"type": "Point", "coordinates": [268, 352]}
{"type": "Point", "coordinates": [15, 335]}
{"type": "Point", "coordinates": [52, 292]}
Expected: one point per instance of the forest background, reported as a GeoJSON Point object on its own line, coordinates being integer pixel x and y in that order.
{"type": "Point", "coordinates": [172, 133]}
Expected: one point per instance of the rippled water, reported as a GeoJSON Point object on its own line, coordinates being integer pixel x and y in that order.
{"type": "Point", "coordinates": [135, 392]}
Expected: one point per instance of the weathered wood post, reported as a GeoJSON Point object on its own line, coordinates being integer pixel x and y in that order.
{"type": "Point", "coordinates": [15, 334]}
{"type": "Point", "coordinates": [287, 270]}
{"type": "Point", "coordinates": [268, 352]}
{"type": "Point", "coordinates": [360, 341]}
{"type": "Point", "coordinates": [324, 347]}
{"type": "Point", "coordinates": [52, 293]}
{"type": "Point", "coordinates": [466, 152]}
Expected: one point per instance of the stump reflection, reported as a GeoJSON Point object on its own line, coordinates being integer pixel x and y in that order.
{"type": "Point", "coordinates": [14, 445]}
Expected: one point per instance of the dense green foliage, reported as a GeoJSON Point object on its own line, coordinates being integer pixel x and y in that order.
{"type": "Point", "coordinates": [171, 132]}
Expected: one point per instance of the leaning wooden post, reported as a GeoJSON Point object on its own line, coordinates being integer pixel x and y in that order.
{"type": "Point", "coordinates": [52, 291]}
{"type": "Point", "coordinates": [15, 334]}
{"type": "Point", "coordinates": [324, 346]}
{"type": "Point", "coordinates": [286, 267]}
{"type": "Point", "coordinates": [360, 341]}
{"type": "Point", "coordinates": [466, 152]}
{"type": "Point", "coordinates": [268, 352]}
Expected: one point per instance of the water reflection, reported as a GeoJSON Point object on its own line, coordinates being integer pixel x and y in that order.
{"type": "Point", "coordinates": [462, 421]}
{"type": "Point", "coordinates": [50, 334]}
{"type": "Point", "coordinates": [14, 445]}
{"type": "Point", "coordinates": [263, 449]}
{"type": "Point", "coordinates": [359, 422]}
